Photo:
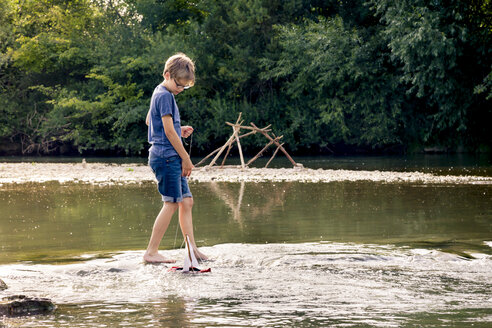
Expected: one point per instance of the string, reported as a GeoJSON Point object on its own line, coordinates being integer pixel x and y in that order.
{"type": "Point", "coordinates": [189, 154]}
{"type": "Point", "coordinates": [191, 141]}
{"type": "Point", "coordinates": [176, 234]}
{"type": "Point", "coordinates": [186, 144]}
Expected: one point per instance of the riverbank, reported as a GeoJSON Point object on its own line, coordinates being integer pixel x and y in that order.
{"type": "Point", "coordinates": [108, 174]}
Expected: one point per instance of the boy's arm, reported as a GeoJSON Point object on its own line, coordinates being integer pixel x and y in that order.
{"type": "Point", "coordinates": [147, 119]}
{"type": "Point", "coordinates": [175, 140]}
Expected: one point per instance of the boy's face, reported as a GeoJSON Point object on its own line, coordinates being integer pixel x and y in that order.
{"type": "Point", "coordinates": [175, 85]}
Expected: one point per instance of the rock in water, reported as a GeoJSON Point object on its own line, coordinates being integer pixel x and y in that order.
{"type": "Point", "coordinates": [18, 305]}
{"type": "Point", "coordinates": [3, 285]}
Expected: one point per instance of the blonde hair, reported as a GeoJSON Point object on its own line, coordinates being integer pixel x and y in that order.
{"type": "Point", "coordinates": [181, 67]}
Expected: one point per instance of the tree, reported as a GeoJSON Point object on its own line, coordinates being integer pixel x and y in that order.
{"type": "Point", "coordinates": [442, 51]}
{"type": "Point", "coordinates": [376, 75]}
{"type": "Point", "coordinates": [340, 83]}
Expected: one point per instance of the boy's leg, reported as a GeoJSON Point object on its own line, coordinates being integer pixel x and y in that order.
{"type": "Point", "coordinates": [186, 223]}
{"type": "Point", "coordinates": [160, 226]}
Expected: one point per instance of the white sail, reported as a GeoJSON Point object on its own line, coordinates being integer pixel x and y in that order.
{"type": "Point", "coordinates": [190, 258]}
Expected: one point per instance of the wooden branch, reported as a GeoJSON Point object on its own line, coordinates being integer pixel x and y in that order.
{"type": "Point", "coordinates": [216, 150]}
{"type": "Point", "coordinates": [266, 128]}
{"type": "Point", "coordinates": [247, 134]}
{"type": "Point", "coordinates": [236, 135]}
{"type": "Point", "coordinates": [221, 150]}
{"type": "Point", "coordinates": [209, 155]}
{"type": "Point", "coordinates": [276, 143]}
{"type": "Point", "coordinates": [229, 142]}
{"type": "Point", "coordinates": [274, 153]}
{"type": "Point", "coordinates": [227, 153]}
{"type": "Point", "coordinates": [261, 151]}
{"type": "Point", "coordinates": [239, 117]}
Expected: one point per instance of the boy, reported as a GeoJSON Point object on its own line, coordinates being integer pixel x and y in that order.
{"type": "Point", "coordinates": [168, 159]}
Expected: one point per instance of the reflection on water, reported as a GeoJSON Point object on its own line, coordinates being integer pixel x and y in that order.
{"type": "Point", "coordinates": [284, 254]}
{"type": "Point", "coordinates": [233, 198]}
{"type": "Point", "coordinates": [50, 222]}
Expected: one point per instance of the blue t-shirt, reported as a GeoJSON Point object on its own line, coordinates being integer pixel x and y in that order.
{"type": "Point", "coordinates": [162, 104]}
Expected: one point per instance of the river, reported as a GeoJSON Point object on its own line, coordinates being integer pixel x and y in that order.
{"type": "Point", "coordinates": [284, 254]}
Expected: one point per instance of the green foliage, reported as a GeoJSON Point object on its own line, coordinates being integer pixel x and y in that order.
{"type": "Point", "coordinates": [75, 82]}
{"type": "Point", "coordinates": [442, 52]}
{"type": "Point", "coordinates": [340, 83]}
{"type": "Point", "coordinates": [326, 74]}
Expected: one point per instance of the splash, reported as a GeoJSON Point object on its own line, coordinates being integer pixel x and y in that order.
{"type": "Point", "coordinates": [268, 285]}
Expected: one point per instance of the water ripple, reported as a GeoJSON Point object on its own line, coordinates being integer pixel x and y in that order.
{"type": "Point", "coordinates": [265, 285]}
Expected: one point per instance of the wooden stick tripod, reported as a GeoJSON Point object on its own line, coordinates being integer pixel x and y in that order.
{"type": "Point", "coordinates": [235, 138]}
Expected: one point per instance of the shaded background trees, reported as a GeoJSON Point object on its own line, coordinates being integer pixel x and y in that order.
{"type": "Point", "coordinates": [331, 76]}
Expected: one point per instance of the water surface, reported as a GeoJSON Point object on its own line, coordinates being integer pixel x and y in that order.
{"type": "Point", "coordinates": [341, 254]}
{"type": "Point", "coordinates": [45, 221]}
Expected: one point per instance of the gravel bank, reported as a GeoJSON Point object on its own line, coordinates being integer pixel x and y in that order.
{"type": "Point", "coordinates": [102, 174]}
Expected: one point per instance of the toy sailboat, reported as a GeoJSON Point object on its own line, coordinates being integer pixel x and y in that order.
{"type": "Point", "coordinates": [190, 262]}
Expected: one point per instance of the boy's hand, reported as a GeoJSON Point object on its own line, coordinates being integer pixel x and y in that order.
{"type": "Point", "coordinates": [186, 131]}
{"type": "Point", "coordinates": [187, 167]}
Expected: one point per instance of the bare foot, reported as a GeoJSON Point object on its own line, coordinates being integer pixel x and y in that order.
{"type": "Point", "coordinates": [200, 256]}
{"type": "Point", "coordinates": [156, 258]}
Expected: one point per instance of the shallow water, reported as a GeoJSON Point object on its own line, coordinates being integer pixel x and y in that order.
{"type": "Point", "coordinates": [307, 285]}
{"type": "Point", "coordinates": [342, 254]}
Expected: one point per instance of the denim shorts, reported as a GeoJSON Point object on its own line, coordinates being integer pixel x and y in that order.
{"type": "Point", "coordinates": [171, 185]}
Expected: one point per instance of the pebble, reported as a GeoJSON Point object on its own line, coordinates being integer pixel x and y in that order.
{"type": "Point", "coordinates": [111, 174]}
